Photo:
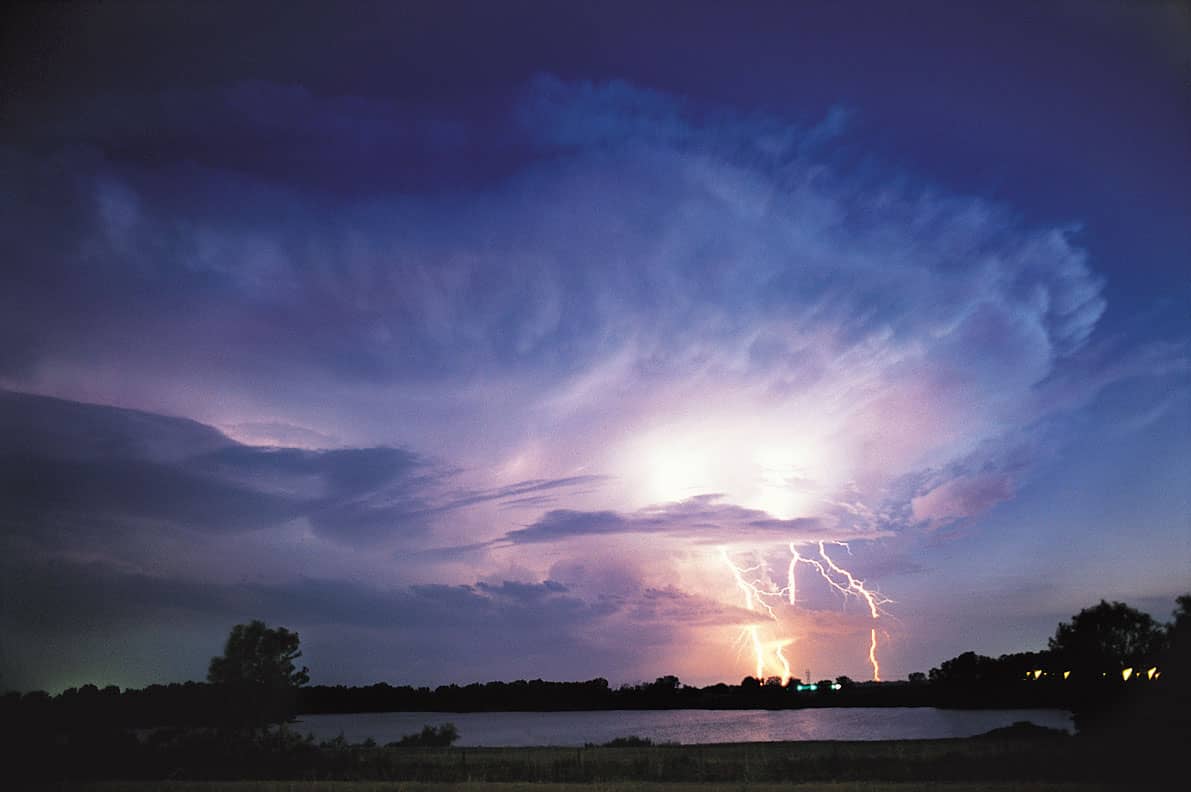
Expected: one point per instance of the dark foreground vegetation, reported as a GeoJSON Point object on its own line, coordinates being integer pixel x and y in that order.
{"type": "Point", "coordinates": [1019, 755]}
{"type": "Point", "coordinates": [615, 786]}
{"type": "Point", "coordinates": [1127, 679]}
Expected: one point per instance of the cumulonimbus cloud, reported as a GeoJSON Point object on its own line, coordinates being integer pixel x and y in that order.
{"type": "Point", "coordinates": [644, 300]}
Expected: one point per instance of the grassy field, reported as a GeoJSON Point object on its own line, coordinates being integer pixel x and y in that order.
{"type": "Point", "coordinates": [957, 765]}
{"type": "Point", "coordinates": [1018, 759]}
{"type": "Point", "coordinates": [836, 761]}
{"type": "Point", "coordinates": [393, 786]}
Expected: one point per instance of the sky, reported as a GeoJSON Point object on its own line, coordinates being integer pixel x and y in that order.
{"type": "Point", "coordinates": [481, 341]}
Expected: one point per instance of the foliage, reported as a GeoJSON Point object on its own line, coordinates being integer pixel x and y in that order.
{"type": "Point", "coordinates": [430, 737]}
{"type": "Point", "coordinates": [632, 741]}
{"type": "Point", "coordinates": [255, 681]}
{"type": "Point", "coordinates": [1179, 630]}
{"type": "Point", "coordinates": [205, 755]}
{"type": "Point", "coordinates": [1107, 637]}
{"type": "Point", "coordinates": [968, 668]}
{"type": "Point", "coordinates": [257, 655]}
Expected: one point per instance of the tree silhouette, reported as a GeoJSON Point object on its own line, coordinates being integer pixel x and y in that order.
{"type": "Point", "coordinates": [1180, 628]}
{"type": "Point", "coordinates": [1177, 659]}
{"type": "Point", "coordinates": [1107, 637]}
{"type": "Point", "coordinates": [256, 676]}
{"type": "Point", "coordinates": [257, 655]}
{"type": "Point", "coordinates": [965, 670]}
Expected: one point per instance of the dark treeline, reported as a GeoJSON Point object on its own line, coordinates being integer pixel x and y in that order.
{"type": "Point", "coordinates": [1126, 677]}
{"type": "Point", "coordinates": [1107, 654]}
{"type": "Point", "coordinates": [176, 704]}
{"type": "Point", "coordinates": [669, 693]}
{"type": "Point", "coordinates": [1033, 679]}
{"type": "Point", "coordinates": [87, 734]}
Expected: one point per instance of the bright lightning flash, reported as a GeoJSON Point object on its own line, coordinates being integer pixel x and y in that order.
{"type": "Point", "coordinates": [757, 594]}
{"type": "Point", "coordinates": [762, 596]}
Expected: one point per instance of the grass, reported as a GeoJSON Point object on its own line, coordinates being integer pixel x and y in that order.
{"type": "Point", "coordinates": [1011, 761]}
{"type": "Point", "coordinates": [910, 760]}
{"type": "Point", "coordinates": [960, 765]}
{"type": "Point", "coordinates": [394, 786]}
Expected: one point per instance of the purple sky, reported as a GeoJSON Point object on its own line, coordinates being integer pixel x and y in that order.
{"type": "Point", "coordinates": [482, 341]}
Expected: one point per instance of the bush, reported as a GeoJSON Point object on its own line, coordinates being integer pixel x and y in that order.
{"type": "Point", "coordinates": [632, 741]}
{"type": "Point", "coordinates": [431, 736]}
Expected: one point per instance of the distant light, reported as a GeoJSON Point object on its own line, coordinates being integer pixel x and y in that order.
{"type": "Point", "coordinates": [1153, 672]}
{"type": "Point", "coordinates": [1066, 674]}
{"type": "Point", "coordinates": [836, 686]}
{"type": "Point", "coordinates": [1126, 673]}
{"type": "Point", "coordinates": [1037, 673]}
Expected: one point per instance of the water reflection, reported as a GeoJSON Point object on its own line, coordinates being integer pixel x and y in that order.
{"type": "Point", "coordinates": [683, 726]}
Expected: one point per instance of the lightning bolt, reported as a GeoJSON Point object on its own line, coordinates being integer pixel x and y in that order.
{"type": "Point", "coordinates": [760, 595]}
{"type": "Point", "coordinates": [872, 657]}
{"type": "Point", "coordinates": [851, 586]}
{"type": "Point", "coordinates": [781, 658]}
{"type": "Point", "coordinates": [855, 586]}
{"type": "Point", "coordinates": [759, 649]}
{"type": "Point", "coordinates": [757, 595]}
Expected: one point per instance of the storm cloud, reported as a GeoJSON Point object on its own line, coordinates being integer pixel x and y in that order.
{"type": "Point", "coordinates": [465, 349]}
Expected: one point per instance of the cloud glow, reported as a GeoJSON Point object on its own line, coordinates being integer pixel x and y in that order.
{"type": "Point", "coordinates": [666, 338]}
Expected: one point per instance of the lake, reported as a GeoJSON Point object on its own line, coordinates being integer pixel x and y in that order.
{"type": "Point", "coordinates": [682, 726]}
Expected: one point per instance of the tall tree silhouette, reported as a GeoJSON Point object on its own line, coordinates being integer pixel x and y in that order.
{"type": "Point", "coordinates": [257, 655]}
{"type": "Point", "coordinates": [1108, 637]}
{"type": "Point", "coordinates": [257, 674]}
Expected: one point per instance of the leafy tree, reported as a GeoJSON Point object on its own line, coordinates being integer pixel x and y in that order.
{"type": "Point", "coordinates": [257, 655]}
{"type": "Point", "coordinates": [1177, 660]}
{"type": "Point", "coordinates": [256, 677]}
{"type": "Point", "coordinates": [966, 669]}
{"type": "Point", "coordinates": [1180, 628]}
{"type": "Point", "coordinates": [1107, 637]}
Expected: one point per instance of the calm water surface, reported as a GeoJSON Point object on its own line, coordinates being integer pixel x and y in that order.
{"type": "Point", "coordinates": [682, 726]}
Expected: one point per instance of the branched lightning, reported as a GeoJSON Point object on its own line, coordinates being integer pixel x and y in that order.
{"type": "Point", "coordinates": [855, 586]}
{"type": "Point", "coordinates": [757, 593]}
{"type": "Point", "coordinates": [761, 595]}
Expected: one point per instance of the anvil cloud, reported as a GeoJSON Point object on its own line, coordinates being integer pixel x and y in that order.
{"type": "Point", "coordinates": [480, 389]}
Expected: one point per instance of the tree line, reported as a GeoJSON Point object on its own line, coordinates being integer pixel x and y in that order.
{"type": "Point", "coordinates": [1124, 675]}
{"type": "Point", "coordinates": [1104, 651]}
